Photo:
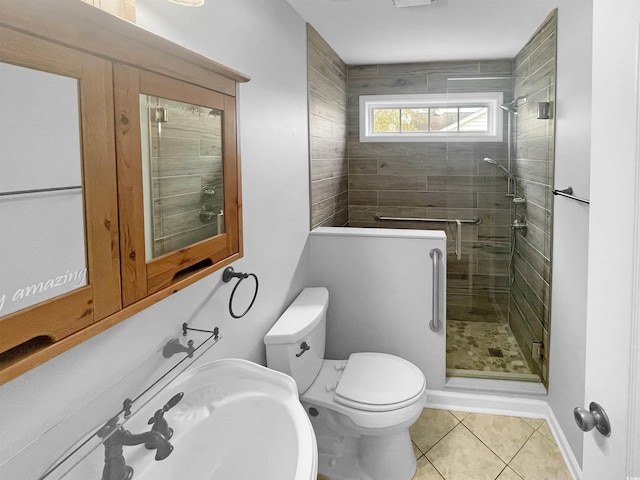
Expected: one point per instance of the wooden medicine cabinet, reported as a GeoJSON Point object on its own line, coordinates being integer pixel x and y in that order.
{"type": "Point", "coordinates": [121, 174]}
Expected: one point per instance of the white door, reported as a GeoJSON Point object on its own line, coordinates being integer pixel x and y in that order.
{"type": "Point", "coordinates": [613, 292]}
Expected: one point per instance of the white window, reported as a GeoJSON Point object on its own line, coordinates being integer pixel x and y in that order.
{"type": "Point", "coordinates": [458, 117]}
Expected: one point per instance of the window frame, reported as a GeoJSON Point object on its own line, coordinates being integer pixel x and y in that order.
{"type": "Point", "coordinates": [491, 100]}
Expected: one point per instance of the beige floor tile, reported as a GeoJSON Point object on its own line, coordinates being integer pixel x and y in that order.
{"type": "Point", "coordinates": [416, 451]}
{"type": "Point", "coordinates": [459, 415]}
{"type": "Point", "coordinates": [545, 430]}
{"type": "Point", "coordinates": [508, 474]}
{"type": "Point", "coordinates": [533, 422]}
{"type": "Point", "coordinates": [461, 456]}
{"type": "Point", "coordinates": [503, 435]}
{"type": "Point", "coordinates": [426, 471]}
{"type": "Point", "coordinates": [540, 459]}
{"type": "Point", "coordinates": [431, 427]}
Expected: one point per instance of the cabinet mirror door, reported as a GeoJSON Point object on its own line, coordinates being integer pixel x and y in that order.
{"type": "Point", "coordinates": [182, 174]}
{"type": "Point", "coordinates": [58, 271]}
{"type": "Point", "coordinates": [42, 252]}
{"type": "Point", "coordinates": [178, 177]}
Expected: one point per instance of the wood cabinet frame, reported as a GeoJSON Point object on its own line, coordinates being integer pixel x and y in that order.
{"type": "Point", "coordinates": [141, 277]}
{"type": "Point", "coordinates": [72, 38]}
{"type": "Point", "coordinates": [79, 308]}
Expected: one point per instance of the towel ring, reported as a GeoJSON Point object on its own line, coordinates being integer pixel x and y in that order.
{"type": "Point", "coordinates": [227, 275]}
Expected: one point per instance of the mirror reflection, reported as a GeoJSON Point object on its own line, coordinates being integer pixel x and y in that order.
{"type": "Point", "coordinates": [42, 240]}
{"type": "Point", "coordinates": [182, 172]}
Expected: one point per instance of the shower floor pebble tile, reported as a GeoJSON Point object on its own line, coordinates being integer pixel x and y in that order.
{"type": "Point", "coordinates": [452, 445]}
{"type": "Point", "coordinates": [469, 346]}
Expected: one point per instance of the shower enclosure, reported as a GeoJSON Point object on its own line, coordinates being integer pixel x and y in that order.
{"type": "Point", "coordinates": [492, 198]}
{"type": "Point", "coordinates": [498, 295]}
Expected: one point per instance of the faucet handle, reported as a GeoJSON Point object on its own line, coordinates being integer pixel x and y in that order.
{"type": "Point", "coordinates": [173, 401]}
{"type": "Point", "coordinates": [159, 423]}
{"type": "Point", "coordinates": [108, 427]}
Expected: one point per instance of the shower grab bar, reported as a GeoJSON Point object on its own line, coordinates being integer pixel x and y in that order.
{"type": "Point", "coordinates": [474, 220]}
{"type": "Point", "coordinates": [568, 192]}
{"type": "Point", "coordinates": [39, 190]}
{"type": "Point", "coordinates": [457, 221]}
{"type": "Point", "coordinates": [435, 255]}
{"type": "Point", "coordinates": [459, 239]}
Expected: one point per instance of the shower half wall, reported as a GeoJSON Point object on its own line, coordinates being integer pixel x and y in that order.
{"type": "Point", "coordinates": [437, 179]}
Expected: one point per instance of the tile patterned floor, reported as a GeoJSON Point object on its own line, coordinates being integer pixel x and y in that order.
{"type": "Point", "coordinates": [471, 347]}
{"type": "Point", "coordinates": [452, 445]}
{"type": "Point", "coordinates": [469, 446]}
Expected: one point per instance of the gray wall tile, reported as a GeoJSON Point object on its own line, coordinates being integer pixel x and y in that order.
{"type": "Point", "coordinates": [327, 83]}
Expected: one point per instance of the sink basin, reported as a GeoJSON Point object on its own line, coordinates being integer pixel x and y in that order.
{"type": "Point", "coordinates": [237, 421]}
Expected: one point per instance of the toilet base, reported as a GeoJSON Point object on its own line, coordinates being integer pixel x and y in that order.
{"type": "Point", "coordinates": [387, 457]}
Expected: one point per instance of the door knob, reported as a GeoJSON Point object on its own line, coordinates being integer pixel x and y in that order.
{"type": "Point", "coordinates": [594, 417]}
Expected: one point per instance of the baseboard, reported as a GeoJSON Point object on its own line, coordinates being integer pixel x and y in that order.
{"type": "Point", "coordinates": [496, 386]}
{"type": "Point", "coordinates": [563, 444]}
{"type": "Point", "coordinates": [509, 376]}
{"type": "Point", "coordinates": [503, 405]}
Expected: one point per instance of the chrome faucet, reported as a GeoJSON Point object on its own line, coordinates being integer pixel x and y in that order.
{"type": "Point", "coordinates": [158, 421]}
{"type": "Point", "coordinates": [115, 467]}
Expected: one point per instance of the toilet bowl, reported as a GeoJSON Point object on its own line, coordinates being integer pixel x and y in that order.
{"type": "Point", "coordinates": [361, 408]}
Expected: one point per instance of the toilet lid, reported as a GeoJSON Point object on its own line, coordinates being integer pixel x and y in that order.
{"type": "Point", "coordinates": [379, 382]}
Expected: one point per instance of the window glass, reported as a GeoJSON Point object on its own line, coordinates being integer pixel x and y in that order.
{"type": "Point", "coordinates": [474, 119]}
{"type": "Point", "coordinates": [415, 119]}
{"type": "Point", "coordinates": [386, 120]}
{"type": "Point", "coordinates": [463, 117]}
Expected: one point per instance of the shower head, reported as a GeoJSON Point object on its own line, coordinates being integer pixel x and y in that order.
{"type": "Point", "coordinates": [513, 105]}
{"type": "Point", "coordinates": [509, 108]}
{"type": "Point", "coordinates": [496, 164]}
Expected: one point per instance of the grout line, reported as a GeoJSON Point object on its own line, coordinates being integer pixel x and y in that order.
{"type": "Point", "coordinates": [443, 436]}
{"type": "Point", "coordinates": [487, 446]}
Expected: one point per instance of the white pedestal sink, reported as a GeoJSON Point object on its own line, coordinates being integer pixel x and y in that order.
{"type": "Point", "coordinates": [237, 421]}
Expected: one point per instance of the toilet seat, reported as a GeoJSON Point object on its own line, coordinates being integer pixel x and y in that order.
{"type": "Point", "coordinates": [378, 382]}
{"type": "Point", "coordinates": [321, 393]}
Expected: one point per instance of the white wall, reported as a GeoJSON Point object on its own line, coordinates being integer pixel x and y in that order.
{"type": "Point", "coordinates": [380, 285]}
{"type": "Point", "coordinates": [267, 41]}
{"type": "Point", "coordinates": [571, 219]}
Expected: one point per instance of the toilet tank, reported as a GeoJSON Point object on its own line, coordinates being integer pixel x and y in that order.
{"type": "Point", "coordinates": [305, 321]}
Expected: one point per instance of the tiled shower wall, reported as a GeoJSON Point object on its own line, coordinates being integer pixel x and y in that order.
{"type": "Point", "coordinates": [446, 180]}
{"type": "Point", "coordinates": [438, 180]}
{"type": "Point", "coordinates": [327, 79]}
{"type": "Point", "coordinates": [535, 76]}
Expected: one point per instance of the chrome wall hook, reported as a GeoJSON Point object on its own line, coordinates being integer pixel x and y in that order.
{"type": "Point", "coordinates": [174, 346]}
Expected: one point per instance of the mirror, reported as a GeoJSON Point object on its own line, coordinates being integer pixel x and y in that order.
{"type": "Point", "coordinates": [42, 241]}
{"type": "Point", "coordinates": [182, 174]}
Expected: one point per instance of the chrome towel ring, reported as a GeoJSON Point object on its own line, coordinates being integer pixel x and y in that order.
{"type": "Point", "coordinates": [227, 275]}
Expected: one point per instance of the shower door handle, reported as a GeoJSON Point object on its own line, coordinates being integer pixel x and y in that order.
{"type": "Point", "coordinates": [435, 255]}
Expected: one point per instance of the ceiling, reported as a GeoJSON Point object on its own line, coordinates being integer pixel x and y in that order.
{"type": "Point", "coordinates": [374, 31]}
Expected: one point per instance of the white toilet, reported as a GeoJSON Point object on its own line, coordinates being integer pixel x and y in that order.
{"type": "Point", "coordinates": [361, 408]}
